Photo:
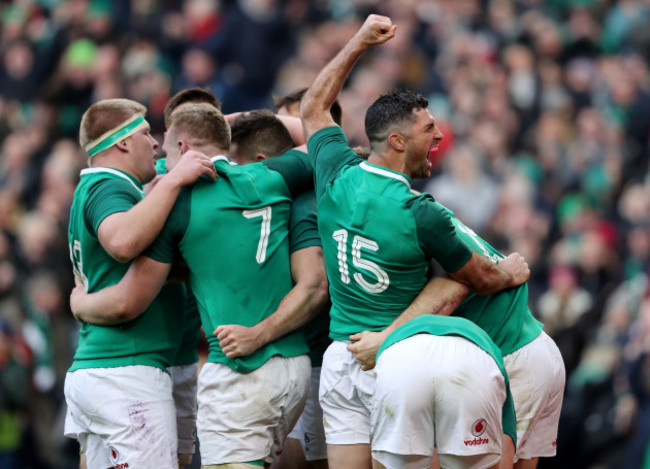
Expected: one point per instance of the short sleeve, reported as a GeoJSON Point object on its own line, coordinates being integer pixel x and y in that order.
{"type": "Point", "coordinates": [437, 235]}
{"type": "Point", "coordinates": [107, 197]}
{"type": "Point", "coordinates": [303, 229]}
{"type": "Point", "coordinates": [296, 169]}
{"type": "Point", "coordinates": [163, 248]}
{"type": "Point", "coordinates": [331, 153]}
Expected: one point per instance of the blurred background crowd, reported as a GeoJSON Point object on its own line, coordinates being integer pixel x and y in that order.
{"type": "Point", "coordinates": [545, 107]}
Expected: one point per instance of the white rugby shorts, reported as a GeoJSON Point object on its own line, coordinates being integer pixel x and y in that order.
{"type": "Point", "coordinates": [244, 417]}
{"type": "Point", "coordinates": [122, 416]}
{"type": "Point", "coordinates": [537, 378]}
{"type": "Point", "coordinates": [441, 391]}
{"type": "Point", "coordinates": [346, 395]}
{"type": "Point", "coordinates": [309, 428]}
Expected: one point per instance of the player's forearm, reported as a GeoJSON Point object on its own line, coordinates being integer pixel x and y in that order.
{"type": "Point", "coordinates": [494, 279]}
{"type": "Point", "coordinates": [299, 306]}
{"type": "Point", "coordinates": [439, 296]}
{"type": "Point", "coordinates": [294, 126]}
{"type": "Point", "coordinates": [485, 277]}
{"type": "Point", "coordinates": [127, 234]}
{"type": "Point", "coordinates": [316, 104]}
{"type": "Point", "coordinates": [104, 308]}
{"type": "Point", "coordinates": [124, 301]}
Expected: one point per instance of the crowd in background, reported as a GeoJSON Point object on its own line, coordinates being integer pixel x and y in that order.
{"type": "Point", "coordinates": [545, 107]}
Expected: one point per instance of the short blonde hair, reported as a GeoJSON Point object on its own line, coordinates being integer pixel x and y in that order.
{"type": "Point", "coordinates": [105, 115]}
{"type": "Point", "coordinates": [202, 124]}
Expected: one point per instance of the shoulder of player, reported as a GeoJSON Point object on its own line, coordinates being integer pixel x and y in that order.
{"type": "Point", "coordinates": [104, 183]}
{"type": "Point", "coordinates": [425, 207]}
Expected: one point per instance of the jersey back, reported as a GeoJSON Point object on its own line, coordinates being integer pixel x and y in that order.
{"type": "Point", "coordinates": [504, 315]}
{"type": "Point", "coordinates": [237, 248]}
{"type": "Point", "coordinates": [374, 264]}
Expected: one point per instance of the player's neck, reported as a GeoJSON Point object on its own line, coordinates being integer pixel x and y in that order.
{"type": "Point", "coordinates": [390, 161]}
{"type": "Point", "coordinates": [211, 150]}
{"type": "Point", "coordinates": [115, 161]}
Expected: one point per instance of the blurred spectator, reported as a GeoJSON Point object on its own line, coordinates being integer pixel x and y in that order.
{"type": "Point", "coordinates": [565, 302]}
{"type": "Point", "coordinates": [465, 187]}
{"type": "Point", "coordinates": [14, 396]}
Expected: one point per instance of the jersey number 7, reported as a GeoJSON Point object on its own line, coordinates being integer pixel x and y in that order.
{"type": "Point", "coordinates": [265, 213]}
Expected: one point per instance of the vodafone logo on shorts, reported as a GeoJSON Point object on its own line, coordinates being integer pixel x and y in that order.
{"type": "Point", "coordinates": [115, 457]}
{"type": "Point", "coordinates": [478, 427]}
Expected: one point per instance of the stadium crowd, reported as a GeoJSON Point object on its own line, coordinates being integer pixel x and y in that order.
{"type": "Point", "coordinates": [545, 108]}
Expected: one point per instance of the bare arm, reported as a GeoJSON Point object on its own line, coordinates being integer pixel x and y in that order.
{"type": "Point", "coordinates": [485, 277]}
{"type": "Point", "coordinates": [123, 301]}
{"type": "Point", "coordinates": [440, 296]}
{"type": "Point", "coordinates": [294, 126]}
{"type": "Point", "coordinates": [305, 300]}
{"type": "Point", "coordinates": [316, 104]}
{"type": "Point", "coordinates": [292, 123]}
{"type": "Point", "coordinates": [125, 235]}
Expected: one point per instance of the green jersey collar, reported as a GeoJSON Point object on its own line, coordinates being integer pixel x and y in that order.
{"type": "Point", "coordinates": [386, 172]}
{"type": "Point", "coordinates": [116, 172]}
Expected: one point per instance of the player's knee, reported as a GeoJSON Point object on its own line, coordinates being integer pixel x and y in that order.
{"type": "Point", "coordinates": [184, 460]}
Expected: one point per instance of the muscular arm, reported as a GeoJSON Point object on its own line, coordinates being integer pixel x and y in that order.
{"type": "Point", "coordinates": [316, 104]}
{"type": "Point", "coordinates": [292, 123]}
{"type": "Point", "coordinates": [485, 277]}
{"type": "Point", "coordinates": [305, 300]}
{"type": "Point", "coordinates": [294, 126]}
{"type": "Point", "coordinates": [124, 235]}
{"type": "Point", "coordinates": [441, 240]}
{"type": "Point", "coordinates": [439, 296]}
{"type": "Point", "coordinates": [123, 301]}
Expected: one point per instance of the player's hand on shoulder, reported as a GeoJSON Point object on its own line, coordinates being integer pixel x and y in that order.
{"type": "Point", "coordinates": [376, 30]}
{"type": "Point", "coordinates": [516, 266]}
{"type": "Point", "coordinates": [192, 165]}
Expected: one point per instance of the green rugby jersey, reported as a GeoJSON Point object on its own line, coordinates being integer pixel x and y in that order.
{"type": "Point", "coordinates": [378, 237]}
{"type": "Point", "coordinates": [233, 235]}
{"type": "Point", "coordinates": [150, 339]}
{"type": "Point", "coordinates": [504, 315]}
{"type": "Point", "coordinates": [303, 233]}
{"type": "Point", "coordinates": [187, 351]}
{"type": "Point", "coordinates": [161, 165]}
{"type": "Point", "coordinates": [442, 326]}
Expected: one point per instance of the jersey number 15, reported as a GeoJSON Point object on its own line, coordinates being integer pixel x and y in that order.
{"type": "Point", "coordinates": [358, 243]}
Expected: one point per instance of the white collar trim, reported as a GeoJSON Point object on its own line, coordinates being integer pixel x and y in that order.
{"type": "Point", "coordinates": [110, 171]}
{"type": "Point", "coordinates": [214, 159]}
{"type": "Point", "coordinates": [383, 172]}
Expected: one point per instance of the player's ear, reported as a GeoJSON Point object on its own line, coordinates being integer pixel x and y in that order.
{"type": "Point", "coordinates": [260, 157]}
{"type": "Point", "coordinates": [397, 141]}
{"type": "Point", "coordinates": [183, 146]}
{"type": "Point", "coordinates": [123, 144]}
